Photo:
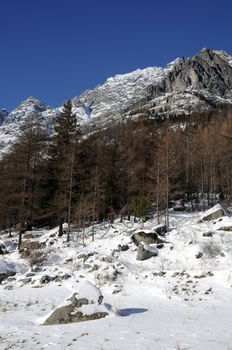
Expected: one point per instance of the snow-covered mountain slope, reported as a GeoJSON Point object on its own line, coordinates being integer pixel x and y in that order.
{"type": "Point", "coordinates": [29, 111]}
{"type": "Point", "coordinates": [3, 115]}
{"type": "Point", "coordinates": [179, 299]}
{"type": "Point", "coordinates": [195, 84]}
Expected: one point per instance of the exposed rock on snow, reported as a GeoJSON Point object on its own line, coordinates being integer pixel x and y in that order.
{"type": "Point", "coordinates": [82, 306]}
{"type": "Point", "coordinates": [145, 236]}
{"type": "Point", "coordinates": [208, 234]}
{"type": "Point", "coordinates": [3, 249]}
{"type": "Point", "coordinates": [160, 229]}
{"type": "Point", "coordinates": [226, 228]}
{"type": "Point", "coordinates": [145, 251]}
{"type": "Point", "coordinates": [8, 268]}
{"type": "Point", "coordinates": [213, 213]}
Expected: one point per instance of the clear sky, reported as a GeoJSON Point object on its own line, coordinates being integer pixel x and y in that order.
{"type": "Point", "coordinates": [56, 49]}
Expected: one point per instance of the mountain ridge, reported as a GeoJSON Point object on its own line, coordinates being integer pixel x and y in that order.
{"type": "Point", "coordinates": [188, 84]}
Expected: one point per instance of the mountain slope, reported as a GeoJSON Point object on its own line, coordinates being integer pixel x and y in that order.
{"type": "Point", "coordinates": [201, 83]}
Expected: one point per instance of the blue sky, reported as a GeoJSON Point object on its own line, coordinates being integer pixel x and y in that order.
{"type": "Point", "coordinates": [55, 49]}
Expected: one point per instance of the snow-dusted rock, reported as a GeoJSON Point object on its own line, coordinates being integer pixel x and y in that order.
{"type": "Point", "coordinates": [145, 251]}
{"type": "Point", "coordinates": [213, 213]}
{"type": "Point", "coordinates": [9, 268]}
{"type": "Point", "coordinates": [85, 305]}
{"type": "Point", "coordinates": [145, 236]}
{"type": "Point", "coordinates": [160, 229]}
{"type": "Point", "coordinates": [3, 249]}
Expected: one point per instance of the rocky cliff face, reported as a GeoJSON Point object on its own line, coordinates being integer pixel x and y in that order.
{"type": "Point", "coordinates": [3, 115]}
{"type": "Point", "coordinates": [200, 83]}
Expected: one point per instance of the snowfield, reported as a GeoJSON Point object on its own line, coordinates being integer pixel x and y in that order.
{"type": "Point", "coordinates": [179, 299]}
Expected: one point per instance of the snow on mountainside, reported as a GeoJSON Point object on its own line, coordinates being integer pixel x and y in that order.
{"type": "Point", "coordinates": [30, 110]}
{"type": "Point", "coordinates": [112, 99]}
{"type": "Point", "coordinates": [199, 83]}
{"type": "Point", "coordinates": [3, 115]}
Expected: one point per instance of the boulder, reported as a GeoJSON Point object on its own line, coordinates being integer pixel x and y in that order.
{"type": "Point", "coordinates": [123, 248]}
{"type": "Point", "coordinates": [145, 236]}
{"type": "Point", "coordinates": [85, 305]}
{"type": "Point", "coordinates": [160, 229]}
{"type": "Point", "coordinates": [9, 268]}
{"type": "Point", "coordinates": [3, 249]}
{"type": "Point", "coordinates": [208, 234]}
{"type": "Point", "coordinates": [6, 274]}
{"type": "Point", "coordinates": [214, 213]}
{"type": "Point", "coordinates": [145, 251]}
{"type": "Point", "coordinates": [226, 228]}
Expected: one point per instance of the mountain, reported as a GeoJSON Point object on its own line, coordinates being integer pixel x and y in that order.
{"type": "Point", "coordinates": [30, 110]}
{"type": "Point", "coordinates": [3, 115]}
{"type": "Point", "coordinates": [201, 83]}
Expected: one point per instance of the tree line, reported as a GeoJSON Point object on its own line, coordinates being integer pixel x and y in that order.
{"type": "Point", "coordinates": [129, 168]}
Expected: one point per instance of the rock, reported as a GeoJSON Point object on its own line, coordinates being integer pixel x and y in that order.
{"type": "Point", "coordinates": [208, 234]}
{"type": "Point", "coordinates": [3, 249]}
{"type": "Point", "coordinates": [30, 274]}
{"type": "Point", "coordinates": [123, 248]}
{"type": "Point", "coordinates": [160, 246]}
{"type": "Point", "coordinates": [144, 251]}
{"type": "Point", "coordinates": [9, 268]}
{"type": "Point", "coordinates": [45, 279]}
{"type": "Point", "coordinates": [199, 255]}
{"type": "Point", "coordinates": [214, 213]}
{"type": "Point", "coordinates": [28, 246]}
{"type": "Point", "coordinates": [225, 228]}
{"type": "Point", "coordinates": [148, 237]}
{"type": "Point", "coordinates": [85, 305]}
{"type": "Point", "coordinates": [160, 229]}
{"type": "Point", "coordinates": [25, 280]}
{"type": "Point", "coordinates": [6, 274]}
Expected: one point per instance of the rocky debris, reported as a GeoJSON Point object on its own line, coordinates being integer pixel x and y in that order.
{"type": "Point", "coordinates": [6, 274]}
{"type": "Point", "coordinates": [106, 274]}
{"type": "Point", "coordinates": [214, 213]}
{"type": "Point", "coordinates": [28, 247]}
{"type": "Point", "coordinates": [25, 280]}
{"type": "Point", "coordinates": [85, 256]}
{"type": "Point", "coordinates": [145, 251]}
{"type": "Point", "coordinates": [123, 248]}
{"type": "Point", "coordinates": [85, 305]}
{"type": "Point", "coordinates": [226, 228]}
{"type": "Point", "coordinates": [145, 236]}
{"type": "Point", "coordinates": [160, 229]}
{"type": "Point", "coordinates": [208, 234]}
{"type": "Point", "coordinates": [9, 268]}
{"type": "Point", "coordinates": [45, 279]}
{"type": "Point", "coordinates": [199, 255]}
{"type": "Point", "coordinates": [3, 249]}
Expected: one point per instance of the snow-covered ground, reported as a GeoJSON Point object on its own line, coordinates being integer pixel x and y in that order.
{"type": "Point", "coordinates": [180, 299]}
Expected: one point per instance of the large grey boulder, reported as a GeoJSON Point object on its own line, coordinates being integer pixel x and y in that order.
{"type": "Point", "coordinates": [160, 229]}
{"type": "Point", "coordinates": [145, 251]}
{"type": "Point", "coordinates": [145, 236]}
{"type": "Point", "coordinates": [214, 213]}
{"type": "Point", "coordinates": [85, 305]}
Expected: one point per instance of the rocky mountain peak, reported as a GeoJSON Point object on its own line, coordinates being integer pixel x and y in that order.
{"type": "Point", "coordinates": [199, 83]}
{"type": "Point", "coordinates": [3, 115]}
{"type": "Point", "coordinates": [34, 103]}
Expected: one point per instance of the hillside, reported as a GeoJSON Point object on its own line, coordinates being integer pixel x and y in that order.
{"type": "Point", "coordinates": [174, 300]}
{"type": "Point", "coordinates": [198, 84]}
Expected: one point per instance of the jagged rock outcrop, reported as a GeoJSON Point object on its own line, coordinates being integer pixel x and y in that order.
{"type": "Point", "coordinates": [198, 84]}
